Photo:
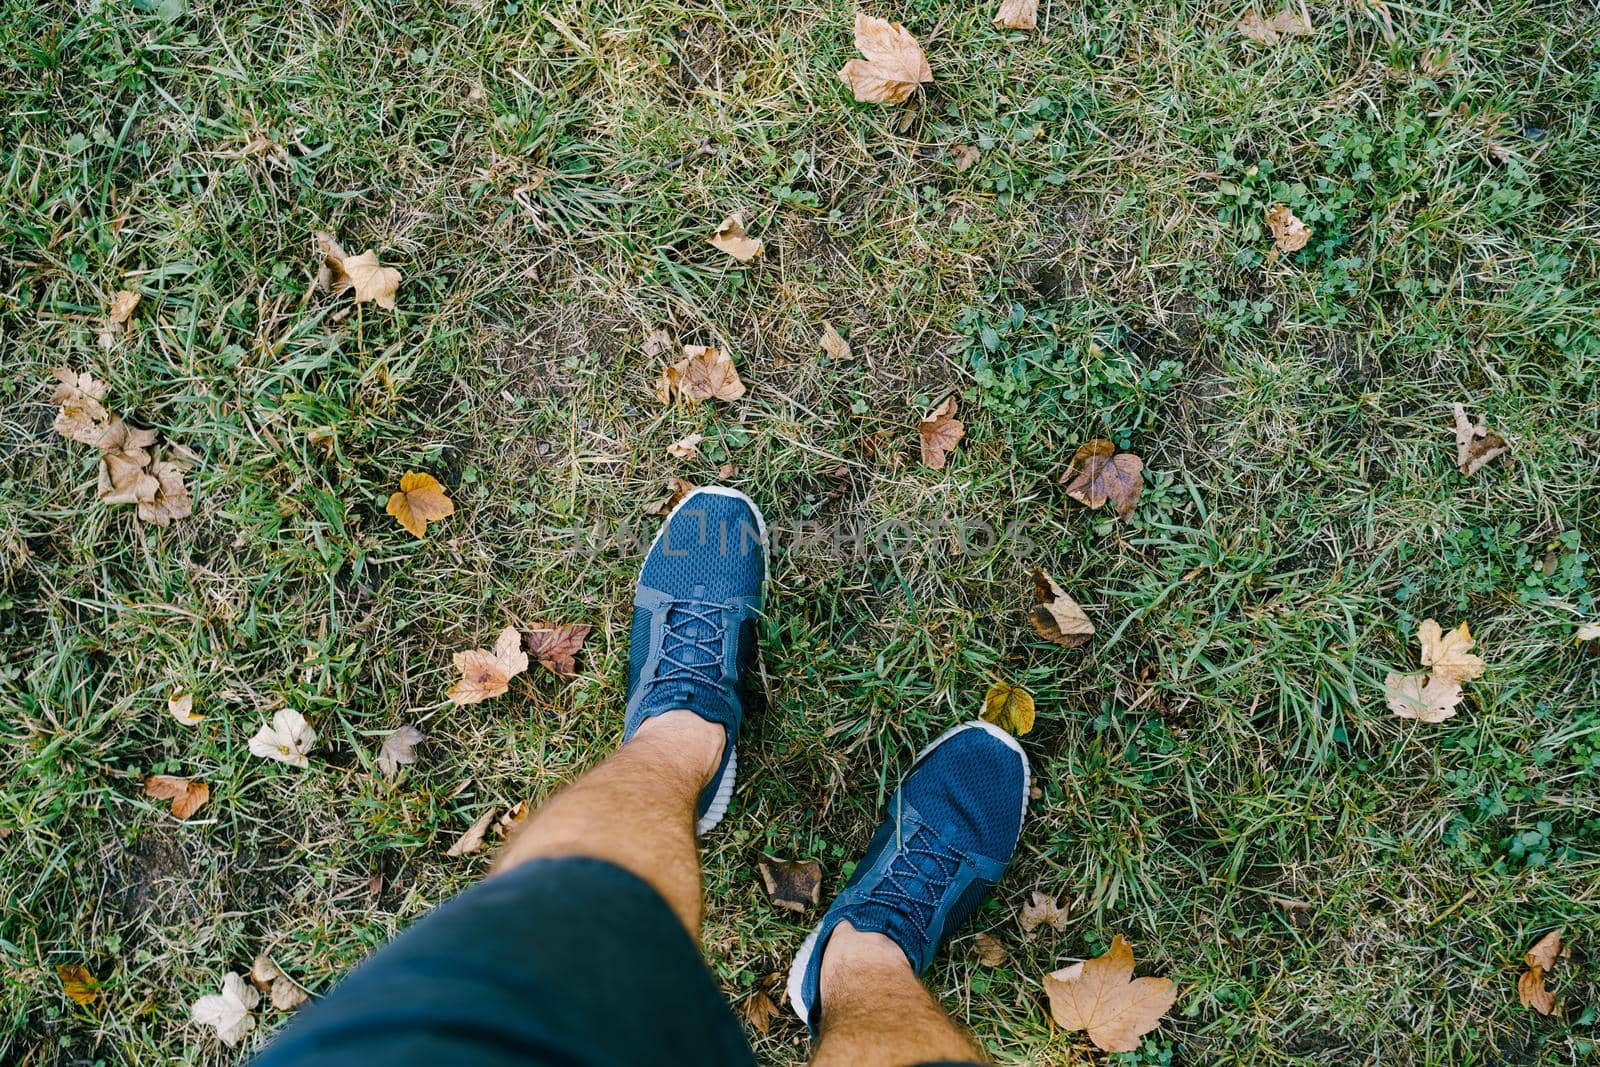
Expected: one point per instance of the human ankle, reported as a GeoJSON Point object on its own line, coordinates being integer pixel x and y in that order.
{"type": "Point", "coordinates": [694, 743]}
{"type": "Point", "coordinates": [850, 951]}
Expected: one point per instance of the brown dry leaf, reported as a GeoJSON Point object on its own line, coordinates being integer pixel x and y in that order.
{"type": "Point", "coordinates": [1544, 951]}
{"type": "Point", "coordinates": [1476, 444]}
{"type": "Point", "coordinates": [1449, 653]}
{"type": "Point", "coordinates": [78, 983]}
{"type": "Point", "coordinates": [1285, 23]}
{"type": "Point", "coordinates": [758, 1010]}
{"type": "Point", "coordinates": [472, 840]}
{"type": "Point", "coordinates": [82, 417]}
{"type": "Point", "coordinates": [487, 673]}
{"type": "Point", "coordinates": [285, 992]}
{"type": "Point", "coordinates": [963, 156]}
{"type": "Point", "coordinates": [677, 489]}
{"type": "Point", "coordinates": [362, 273]}
{"type": "Point", "coordinates": [1421, 697]}
{"type": "Point", "coordinates": [836, 347]}
{"type": "Point", "coordinates": [730, 237]}
{"type": "Point", "coordinates": [1289, 234]}
{"type": "Point", "coordinates": [121, 308]}
{"type": "Point", "coordinates": [124, 479]}
{"type": "Point", "coordinates": [399, 749]}
{"type": "Point", "coordinates": [171, 500]}
{"type": "Point", "coordinates": [187, 797]}
{"type": "Point", "coordinates": [1056, 616]}
{"type": "Point", "coordinates": [1102, 997]}
{"type": "Point", "coordinates": [991, 953]}
{"type": "Point", "coordinates": [1017, 14]}
{"type": "Point", "coordinates": [685, 447]}
{"type": "Point", "coordinates": [940, 430]}
{"type": "Point", "coordinates": [1589, 631]}
{"type": "Point", "coordinates": [894, 68]}
{"type": "Point", "coordinates": [1042, 910]}
{"type": "Point", "coordinates": [704, 373]}
{"type": "Point", "coordinates": [657, 343]}
{"type": "Point", "coordinates": [512, 818]}
{"type": "Point", "coordinates": [421, 500]}
{"type": "Point", "coordinates": [1097, 476]}
{"type": "Point", "coordinates": [792, 884]}
{"type": "Point", "coordinates": [1532, 993]}
{"type": "Point", "coordinates": [181, 707]}
{"type": "Point", "coordinates": [1009, 707]}
{"type": "Point", "coordinates": [555, 646]}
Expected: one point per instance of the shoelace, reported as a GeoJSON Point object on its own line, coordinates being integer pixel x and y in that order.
{"type": "Point", "coordinates": [906, 876]}
{"type": "Point", "coordinates": [691, 642]}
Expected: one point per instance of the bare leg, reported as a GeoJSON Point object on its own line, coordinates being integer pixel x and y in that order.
{"type": "Point", "coordinates": [636, 810]}
{"type": "Point", "coordinates": [875, 1012]}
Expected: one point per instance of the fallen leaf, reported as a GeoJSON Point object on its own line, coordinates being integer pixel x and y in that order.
{"type": "Point", "coordinates": [1010, 707]}
{"type": "Point", "coordinates": [486, 673]}
{"type": "Point", "coordinates": [1422, 697]}
{"type": "Point", "coordinates": [1056, 616]}
{"type": "Point", "coordinates": [836, 347]}
{"type": "Point", "coordinates": [1017, 14]}
{"type": "Point", "coordinates": [78, 983]}
{"type": "Point", "coordinates": [512, 818]}
{"type": "Point", "coordinates": [685, 447]}
{"type": "Point", "coordinates": [1289, 234]}
{"type": "Point", "coordinates": [472, 840]}
{"type": "Point", "coordinates": [228, 1012]}
{"type": "Point", "coordinates": [421, 500]}
{"type": "Point", "coordinates": [1102, 997]}
{"type": "Point", "coordinates": [1476, 444]}
{"type": "Point", "coordinates": [963, 156]}
{"type": "Point", "coordinates": [758, 1010]}
{"type": "Point", "coordinates": [363, 274]}
{"type": "Point", "coordinates": [729, 237]}
{"type": "Point", "coordinates": [792, 884]}
{"type": "Point", "coordinates": [554, 647]}
{"type": "Point", "coordinates": [187, 796]}
{"type": "Point", "coordinates": [677, 489]}
{"type": "Point", "coordinates": [125, 477]}
{"type": "Point", "coordinates": [171, 500]}
{"type": "Point", "coordinates": [1532, 993]}
{"type": "Point", "coordinates": [704, 373]}
{"type": "Point", "coordinates": [1042, 910]}
{"type": "Point", "coordinates": [181, 707]}
{"type": "Point", "coordinates": [287, 739]}
{"type": "Point", "coordinates": [399, 749]}
{"type": "Point", "coordinates": [287, 995]}
{"type": "Point", "coordinates": [1285, 23]}
{"type": "Point", "coordinates": [122, 305]}
{"type": "Point", "coordinates": [82, 417]}
{"type": "Point", "coordinates": [1544, 951]}
{"type": "Point", "coordinates": [894, 68]}
{"type": "Point", "coordinates": [991, 953]}
{"type": "Point", "coordinates": [1589, 631]}
{"type": "Point", "coordinates": [657, 343]}
{"type": "Point", "coordinates": [284, 992]}
{"type": "Point", "coordinates": [940, 430]}
{"type": "Point", "coordinates": [1449, 652]}
{"type": "Point", "coordinates": [1097, 476]}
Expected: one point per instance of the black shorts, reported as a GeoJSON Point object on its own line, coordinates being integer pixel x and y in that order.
{"type": "Point", "coordinates": [570, 962]}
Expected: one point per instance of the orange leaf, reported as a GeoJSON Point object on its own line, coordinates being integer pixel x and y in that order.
{"type": "Point", "coordinates": [1102, 997]}
{"type": "Point", "coordinates": [421, 500]}
{"type": "Point", "coordinates": [940, 431]}
{"type": "Point", "coordinates": [187, 797]}
{"type": "Point", "coordinates": [78, 983]}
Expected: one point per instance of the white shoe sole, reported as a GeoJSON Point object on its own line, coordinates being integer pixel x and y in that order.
{"type": "Point", "coordinates": [797, 969]}
{"type": "Point", "coordinates": [723, 797]}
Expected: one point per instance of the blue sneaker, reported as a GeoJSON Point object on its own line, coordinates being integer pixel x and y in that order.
{"type": "Point", "coordinates": [950, 830]}
{"type": "Point", "coordinates": [693, 644]}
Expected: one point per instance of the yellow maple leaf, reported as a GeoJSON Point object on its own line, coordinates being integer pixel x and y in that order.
{"type": "Point", "coordinates": [486, 672]}
{"type": "Point", "coordinates": [1009, 707]}
{"type": "Point", "coordinates": [421, 500]}
{"type": "Point", "coordinates": [1101, 996]}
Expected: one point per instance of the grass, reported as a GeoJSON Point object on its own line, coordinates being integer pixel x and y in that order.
{"type": "Point", "coordinates": [1221, 781]}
